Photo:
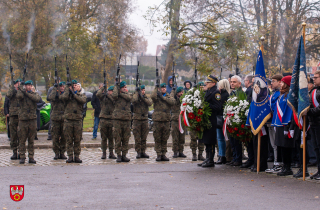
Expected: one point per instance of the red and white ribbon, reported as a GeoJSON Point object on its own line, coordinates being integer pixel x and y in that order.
{"type": "Point", "coordinates": [224, 127]}
{"type": "Point", "coordinates": [263, 131]}
{"type": "Point", "coordinates": [314, 99]}
{"type": "Point", "coordinates": [279, 112]}
{"type": "Point", "coordinates": [183, 112]}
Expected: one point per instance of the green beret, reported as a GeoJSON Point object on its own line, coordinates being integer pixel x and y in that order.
{"type": "Point", "coordinates": [200, 83]}
{"type": "Point", "coordinates": [62, 83]}
{"type": "Point", "coordinates": [142, 87]}
{"type": "Point", "coordinates": [122, 84]}
{"type": "Point", "coordinates": [29, 82]}
{"type": "Point", "coordinates": [163, 85]}
{"type": "Point", "coordinates": [111, 87]}
{"type": "Point", "coordinates": [74, 81]}
{"type": "Point", "coordinates": [18, 80]}
{"type": "Point", "coordinates": [179, 89]}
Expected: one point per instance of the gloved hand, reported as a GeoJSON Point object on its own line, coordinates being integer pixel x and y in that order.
{"type": "Point", "coordinates": [157, 85]}
{"type": "Point", "coordinates": [22, 83]}
{"type": "Point", "coordinates": [69, 84]}
{"type": "Point", "coordinates": [117, 81]}
{"type": "Point", "coordinates": [55, 85]}
{"type": "Point", "coordinates": [175, 97]}
{"type": "Point", "coordinates": [137, 89]}
{"type": "Point", "coordinates": [174, 88]}
{"type": "Point", "coordinates": [160, 95]}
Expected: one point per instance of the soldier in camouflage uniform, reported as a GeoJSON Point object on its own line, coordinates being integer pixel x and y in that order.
{"type": "Point", "coordinates": [57, 119]}
{"type": "Point", "coordinates": [13, 118]}
{"type": "Point", "coordinates": [141, 105]}
{"type": "Point", "coordinates": [178, 139]}
{"type": "Point", "coordinates": [27, 128]}
{"type": "Point", "coordinates": [72, 128]}
{"type": "Point", "coordinates": [122, 120]}
{"type": "Point", "coordinates": [161, 120]}
{"type": "Point", "coordinates": [106, 122]}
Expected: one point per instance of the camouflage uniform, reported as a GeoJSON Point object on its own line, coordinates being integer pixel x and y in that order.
{"type": "Point", "coordinates": [57, 119]}
{"type": "Point", "coordinates": [106, 122]}
{"type": "Point", "coordinates": [161, 120]}
{"type": "Point", "coordinates": [13, 118]}
{"type": "Point", "coordinates": [140, 121]}
{"type": "Point", "coordinates": [27, 120]}
{"type": "Point", "coordinates": [72, 128]}
{"type": "Point", "coordinates": [121, 120]}
{"type": "Point", "coordinates": [178, 139]}
{"type": "Point", "coordinates": [194, 144]}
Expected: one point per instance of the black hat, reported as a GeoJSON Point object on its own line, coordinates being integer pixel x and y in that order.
{"type": "Point", "coordinates": [211, 78]}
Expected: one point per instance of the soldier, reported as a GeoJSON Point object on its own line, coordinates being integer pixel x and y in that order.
{"type": "Point", "coordinates": [178, 139]}
{"type": "Point", "coordinates": [13, 118]}
{"type": "Point", "coordinates": [27, 119]}
{"type": "Point", "coordinates": [57, 118]}
{"type": "Point", "coordinates": [106, 122]}
{"type": "Point", "coordinates": [161, 120]}
{"type": "Point", "coordinates": [122, 120]}
{"type": "Point", "coordinates": [72, 128]}
{"type": "Point", "coordinates": [141, 105]}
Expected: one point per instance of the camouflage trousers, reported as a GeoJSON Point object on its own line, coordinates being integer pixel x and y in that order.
{"type": "Point", "coordinates": [72, 130]}
{"type": "Point", "coordinates": [58, 139]}
{"type": "Point", "coordinates": [27, 130]}
{"type": "Point", "coordinates": [140, 132]}
{"type": "Point", "coordinates": [106, 134]}
{"type": "Point", "coordinates": [13, 126]}
{"type": "Point", "coordinates": [161, 133]}
{"type": "Point", "coordinates": [178, 139]}
{"type": "Point", "coordinates": [121, 131]}
{"type": "Point", "coordinates": [194, 143]}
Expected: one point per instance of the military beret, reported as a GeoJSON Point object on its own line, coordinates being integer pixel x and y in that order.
{"type": "Point", "coordinates": [211, 78]}
{"type": "Point", "coordinates": [163, 85]}
{"type": "Point", "coordinates": [62, 83]}
{"type": "Point", "coordinates": [179, 89]}
{"type": "Point", "coordinates": [29, 82]}
{"type": "Point", "coordinates": [111, 88]}
{"type": "Point", "coordinates": [142, 87]}
{"type": "Point", "coordinates": [74, 81]}
{"type": "Point", "coordinates": [200, 83]}
{"type": "Point", "coordinates": [122, 84]}
{"type": "Point", "coordinates": [18, 80]}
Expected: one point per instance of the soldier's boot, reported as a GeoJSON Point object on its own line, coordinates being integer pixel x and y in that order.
{"type": "Point", "coordinates": [119, 159]}
{"type": "Point", "coordinates": [200, 157]}
{"type": "Point", "coordinates": [22, 160]}
{"type": "Point", "coordinates": [158, 158]}
{"type": "Point", "coordinates": [112, 156]}
{"type": "Point", "coordinates": [14, 156]}
{"type": "Point", "coordinates": [182, 155]}
{"type": "Point", "coordinates": [144, 155]}
{"type": "Point", "coordinates": [56, 156]}
{"type": "Point", "coordinates": [194, 157]}
{"type": "Point", "coordinates": [164, 158]}
{"type": "Point", "coordinates": [77, 159]}
{"type": "Point", "coordinates": [138, 155]}
{"type": "Point", "coordinates": [70, 159]}
{"type": "Point", "coordinates": [31, 160]}
{"type": "Point", "coordinates": [125, 159]}
{"type": "Point", "coordinates": [62, 156]}
{"type": "Point", "coordinates": [104, 155]}
{"type": "Point", "coordinates": [210, 162]}
{"type": "Point", "coordinates": [175, 154]}
{"type": "Point", "coordinates": [205, 160]}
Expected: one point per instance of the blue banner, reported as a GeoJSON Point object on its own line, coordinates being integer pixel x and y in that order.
{"type": "Point", "coordinates": [260, 111]}
{"type": "Point", "coordinates": [298, 97]}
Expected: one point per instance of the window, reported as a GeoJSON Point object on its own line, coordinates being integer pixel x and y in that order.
{"type": "Point", "coordinates": [308, 30]}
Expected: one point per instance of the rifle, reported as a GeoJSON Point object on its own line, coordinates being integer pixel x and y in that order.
{"type": "Point", "coordinates": [11, 71]}
{"type": "Point", "coordinates": [104, 76]}
{"type": "Point", "coordinates": [137, 77]}
{"type": "Point", "coordinates": [68, 73]}
{"type": "Point", "coordinates": [157, 73]}
{"type": "Point", "coordinates": [237, 69]}
{"type": "Point", "coordinates": [56, 75]}
{"type": "Point", "coordinates": [118, 77]}
{"type": "Point", "coordinates": [195, 73]}
{"type": "Point", "coordinates": [220, 73]}
{"type": "Point", "coordinates": [25, 69]}
{"type": "Point", "coordinates": [173, 75]}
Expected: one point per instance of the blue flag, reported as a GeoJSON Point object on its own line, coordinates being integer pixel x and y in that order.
{"type": "Point", "coordinates": [298, 97]}
{"type": "Point", "coordinates": [260, 111]}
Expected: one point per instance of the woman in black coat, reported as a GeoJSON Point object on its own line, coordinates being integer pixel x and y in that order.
{"type": "Point", "coordinates": [213, 97]}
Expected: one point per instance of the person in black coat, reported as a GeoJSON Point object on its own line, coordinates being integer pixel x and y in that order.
{"type": "Point", "coordinates": [97, 109]}
{"type": "Point", "coordinates": [6, 113]}
{"type": "Point", "coordinates": [187, 85]}
{"type": "Point", "coordinates": [213, 97]}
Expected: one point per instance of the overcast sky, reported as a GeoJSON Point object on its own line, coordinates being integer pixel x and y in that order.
{"type": "Point", "coordinates": [154, 38]}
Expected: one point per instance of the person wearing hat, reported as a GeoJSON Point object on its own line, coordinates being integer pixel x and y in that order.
{"type": "Point", "coordinates": [162, 103]}
{"type": "Point", "coordinates": [122, 120]}
{"type": "Point", "coordinates": [27, 127]}
{"type": "Point", "coordinates": [141, 104]}
{"type": "Point", "coordinates": [213, 97]}
{"type": "Point", "coordinates": [13, 114]}
{"type": "Point", "coordinates": [57, 119]}
{"type": "Point", "coordinates": [106, 122]}
{"type": "Point", "coordinates": [73, 99]}
{"type": "Point", "coordinates": [178, 139]}
{"type": "Point", "coordinates": [187, 85]}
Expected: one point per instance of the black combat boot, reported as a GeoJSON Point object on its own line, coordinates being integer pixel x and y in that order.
{"type": "Point", "coordinates": [104, 155]}
{"type": "Point", "coordinates": [182, 155]}
{"type": "Point", "coordinates": [175, 154]}
{"type": "Point", "coordinates": [56, 156]}
{"type": "Point", "coordinates": [62, 156]}
{"type": "Point", "coordinates": [119, 159]}
{"type": "Point", "coordinates": [164, 158]}
{"type": "Point", "coordinates": [205, 160]}
{"type": "Point", "coordinates": [158, 158]}
{"type": "Point", "coordinates": [14, 156]}
{"type": "Point", "coordinates": [144, 155]}
{"type": "Point", "coordinates": [316, 175]}
{"type": "Point", "coordinates": [112, 156]}
{"type": "Point", "coordinates": [22, 160]}
{"type": "Point", "coordinates": [194, 157]}
{"type": "Point", "coordinates": [70, 159]}
{"type": "Point", "coordinates": [286, 170]}
{"type": "Point", "coordinates": [77, 160]}
{"type": "Point", "coordinates": [222, 160]}
{"type": "Point", "coordinates": [138, 155]}
{"type": "Point", "coordinates": [125, 159]}
{"type": "Point", "coordinates": [31, 160]}
{"type": "Point", "coordinates": [299, 174]}
{"type": "Point", "coordinates": [210, 162]}
{"type": "Point", "coordinates": [200, 157]}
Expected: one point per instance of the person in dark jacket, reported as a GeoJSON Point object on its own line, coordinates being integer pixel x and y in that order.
{"type": "Point", "coordinates": [213, 97]}
{"type": "Point", "coordinates": [187, 85]}
{"type": "Point", "coordinates": [95, 102]}
{"type": "Point", "coordinates": [6, 113]}
{"type": "Point", "coordinates": [170, 84]}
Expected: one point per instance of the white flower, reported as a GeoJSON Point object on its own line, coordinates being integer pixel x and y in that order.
{"type": "Point", "coordinates": [247, 112]}
{"type": "Point", "coordinates": [189, 109]}
{"type": "Point", "coordinates": [196, 93]}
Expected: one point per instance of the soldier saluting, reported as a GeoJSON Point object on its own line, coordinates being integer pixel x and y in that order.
{"type": "Point", "coordinates": [27, 119]}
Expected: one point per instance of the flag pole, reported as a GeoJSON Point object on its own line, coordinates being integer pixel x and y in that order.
{"type": "Point", "coordinates": [304, 117]}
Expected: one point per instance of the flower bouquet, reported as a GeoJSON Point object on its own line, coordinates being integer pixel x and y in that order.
{"type": "Point", "coordinates": [195, 112]}
{"type": "Point", "coordinates": [235, 115]}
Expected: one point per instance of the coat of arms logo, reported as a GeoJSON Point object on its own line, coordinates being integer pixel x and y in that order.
{"type": "Point", "coordinates": [17, 192]}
